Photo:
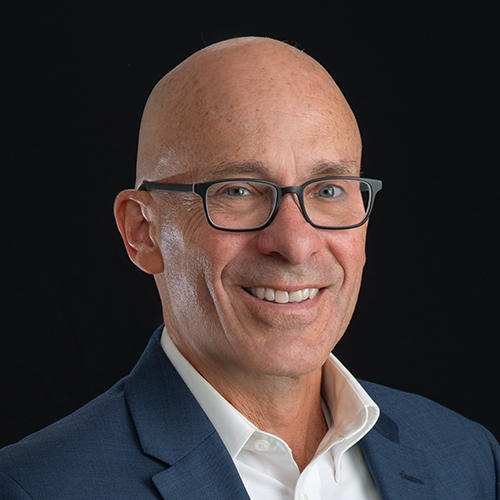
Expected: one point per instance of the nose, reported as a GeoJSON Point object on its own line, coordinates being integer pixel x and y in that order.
{"type": "Point", "coordinates": [290, 235]}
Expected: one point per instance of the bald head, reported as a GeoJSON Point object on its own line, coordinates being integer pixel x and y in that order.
{"type": "Point", "coordinates": [233, 90]}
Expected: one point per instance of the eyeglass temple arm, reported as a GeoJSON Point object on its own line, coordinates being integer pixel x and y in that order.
{"type": "Point", "coordinates": [159, 186]}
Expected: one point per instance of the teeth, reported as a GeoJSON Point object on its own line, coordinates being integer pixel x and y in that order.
{"type": "Point", "coordinates": [282, 297]}
{"type": "Point", "coordinates": [298, 295]}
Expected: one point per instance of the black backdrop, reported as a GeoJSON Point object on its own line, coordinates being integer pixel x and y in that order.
{"type": "Point", "coordinates": [422, 80]}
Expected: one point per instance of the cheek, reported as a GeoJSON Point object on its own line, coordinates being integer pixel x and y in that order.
{"type": "Point", "coordinates": [195, 255]}
{"type": "Point", "coordinates": [223, 254]}
{"type": "Point", "coordinates": [349, 249]}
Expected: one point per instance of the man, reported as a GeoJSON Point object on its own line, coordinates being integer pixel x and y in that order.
{"type": "Point", "coordinates": [238, 396]}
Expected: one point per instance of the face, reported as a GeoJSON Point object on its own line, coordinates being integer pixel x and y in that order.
{"type": "Point", "coordinates": [213, 281]}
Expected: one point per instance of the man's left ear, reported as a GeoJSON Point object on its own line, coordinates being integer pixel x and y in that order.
{"type": "Point", "coordinates": [135, 221]}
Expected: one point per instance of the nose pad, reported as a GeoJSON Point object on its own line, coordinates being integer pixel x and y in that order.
{"type": "Point", "coordinates": [289, 198]}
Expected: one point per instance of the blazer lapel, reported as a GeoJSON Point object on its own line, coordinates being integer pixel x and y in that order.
{"type": "Point", "coordinates": [398, 471]}
{"type": "Point", "coordinates": [205, 473]}
{"type": "Point", "coordinates": [172, 427]}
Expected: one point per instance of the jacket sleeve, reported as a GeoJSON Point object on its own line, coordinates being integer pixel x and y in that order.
{"type": "Point", "coordinates": [495, 449]}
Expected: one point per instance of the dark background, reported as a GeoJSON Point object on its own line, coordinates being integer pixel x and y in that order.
{"type": "Point", "coordinates": [423, 82]}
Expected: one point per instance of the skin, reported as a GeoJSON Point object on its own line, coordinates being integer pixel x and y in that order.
{"type": "Point", "coordinates": [258, 108]}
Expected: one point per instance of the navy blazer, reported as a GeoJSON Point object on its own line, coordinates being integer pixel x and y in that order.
{"type": "Point", "coordinates": [147, 438]}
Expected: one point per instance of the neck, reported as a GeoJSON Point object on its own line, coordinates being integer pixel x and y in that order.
{"type": "Point", "coordinates": [287, 407]}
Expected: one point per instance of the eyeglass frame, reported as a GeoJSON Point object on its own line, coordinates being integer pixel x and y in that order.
{"type": "Point", "coordinates": [201, 189]}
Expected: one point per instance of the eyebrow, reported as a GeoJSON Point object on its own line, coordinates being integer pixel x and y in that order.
{"type": "Point", "coordinates": [319, 169]}
{"type": "Point", "coordinates": [238, 168]}
{"type": "Point", "coordinates": [335, 168]}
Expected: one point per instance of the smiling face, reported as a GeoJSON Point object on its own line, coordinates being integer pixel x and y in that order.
{"type": "Point", "coordinates": [268, 302]}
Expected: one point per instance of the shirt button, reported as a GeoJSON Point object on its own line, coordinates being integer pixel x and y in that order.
{"type": "Point", "coordinates": [262, 445]}
{"type": "Point", "coordinates": [303, 496]}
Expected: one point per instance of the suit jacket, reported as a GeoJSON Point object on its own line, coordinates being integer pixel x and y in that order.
{"type": "Point", "coordinates": [147, 438]}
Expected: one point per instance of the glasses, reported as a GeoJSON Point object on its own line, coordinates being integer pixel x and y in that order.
{"type": "Point", "coordinates": [251, 204]}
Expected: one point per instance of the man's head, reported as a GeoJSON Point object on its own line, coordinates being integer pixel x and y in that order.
{"type": "Point", "coordinates": [253, 108]}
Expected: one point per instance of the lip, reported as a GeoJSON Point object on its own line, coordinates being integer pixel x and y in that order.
{"type": "Point", "coordinates": [282, 320]}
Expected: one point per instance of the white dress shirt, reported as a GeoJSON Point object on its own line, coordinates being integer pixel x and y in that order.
{"type": "Point", "coordinates": [265, 462]}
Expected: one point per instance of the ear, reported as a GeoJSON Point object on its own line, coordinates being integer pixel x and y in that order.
{"type": "Point", "coordinates": [134, 218]}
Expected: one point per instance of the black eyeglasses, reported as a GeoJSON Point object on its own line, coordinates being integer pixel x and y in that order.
{"type": "Point", "coordinates": [251, 204]}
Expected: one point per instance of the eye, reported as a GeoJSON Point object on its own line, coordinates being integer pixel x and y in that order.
{"type": "Point", "coordinates": [329, 191]}
{"type": "Point", "coordinates": [237, 191]}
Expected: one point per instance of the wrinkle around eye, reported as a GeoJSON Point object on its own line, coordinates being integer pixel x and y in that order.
{"type": "Point", "coordinates": [181, 219]}
{"type": "Point", "coordinates": [174, 200]}
{"type": "Point", "coordinates": [178, 207]}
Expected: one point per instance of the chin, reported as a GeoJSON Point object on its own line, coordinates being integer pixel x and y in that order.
{"type": "Point", "coordinates": [290, 360]}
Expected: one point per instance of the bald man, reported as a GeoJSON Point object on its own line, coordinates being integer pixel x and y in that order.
{"type": "Point", "coordinates": [250, 212]}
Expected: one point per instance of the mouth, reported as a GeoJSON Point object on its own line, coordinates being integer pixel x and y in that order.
{"type": "Point", "coordinates": [281, 296]}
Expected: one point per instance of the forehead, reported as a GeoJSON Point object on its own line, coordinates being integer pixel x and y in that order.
{"type": "Point", "coordinates": [261, 133]}
{"type": "Point", "coordinates": [276, 144]}
{"type": "Point", "coordinates": [268, 115]}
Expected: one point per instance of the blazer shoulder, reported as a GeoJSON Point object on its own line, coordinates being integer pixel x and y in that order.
{"type": "Point", "coordinates": [104, 410]}
{"type": "Point", "coordinates": [411, 407]}
{"type": "Point", "coordinates": [76, 456]}
{"type": "Point", "coordinates": [422, 422]}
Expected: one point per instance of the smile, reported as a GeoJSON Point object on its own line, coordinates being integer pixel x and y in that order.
{"type": "Point", "coordinates": [282, 297]}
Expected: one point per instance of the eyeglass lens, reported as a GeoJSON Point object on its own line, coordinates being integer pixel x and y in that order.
{"type": "Point", "coordinates": [250, 204]}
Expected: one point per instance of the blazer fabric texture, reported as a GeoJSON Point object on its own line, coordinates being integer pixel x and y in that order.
{"type": "Point", "coordinates": [147, 438]}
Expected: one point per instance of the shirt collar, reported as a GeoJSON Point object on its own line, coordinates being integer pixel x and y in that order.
{"type": "Point", "coordinates": [352, 412]}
